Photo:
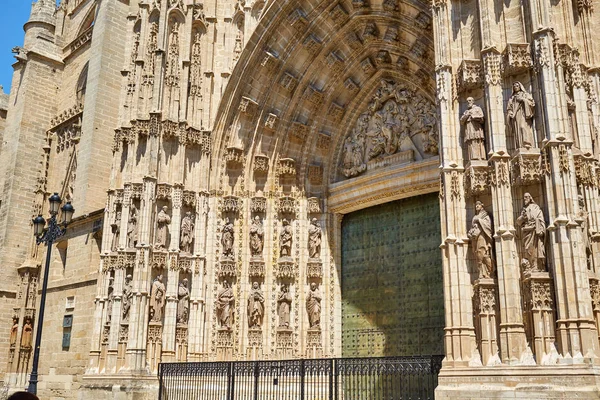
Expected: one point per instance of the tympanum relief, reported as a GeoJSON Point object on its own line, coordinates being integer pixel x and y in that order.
{"type": "Point", "coordinates": [397, 120]}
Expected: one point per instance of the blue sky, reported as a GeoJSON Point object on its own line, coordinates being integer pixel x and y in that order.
{"type": "Point", "coordinates": [12, 17]}
{"type": "Point", "coordinates": [14, 14]}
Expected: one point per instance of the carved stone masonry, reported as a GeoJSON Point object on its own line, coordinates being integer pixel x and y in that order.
{"type": "Point", "coordinates": [526, 168]}
{"type": "Point", "coordinates": [286, 167]}
{"type": "Point", "coordinates": [469, 75]}
{"type": "Point", "coordinates": [299, 131]}
{"type": "Point", "coordinates": [261, 164]}
{"type": "Point", "coordinates": [231, 205]}
{"type": "Point", "coordinates": [234, 157]}
{"type": "Point", "coordinates": [477, 179]}
{"type": "Point", "coordinates": [258, 205]}
{"type": "Point", "coordinates": [517, 58]}
{"type": "Point", "coordinates": [314, 205]}
{"type": "Point", "coordinates": [286, 205]}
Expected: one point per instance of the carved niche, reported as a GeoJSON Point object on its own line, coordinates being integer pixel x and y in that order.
{"type": "Point", "coordinates": [398, 126]}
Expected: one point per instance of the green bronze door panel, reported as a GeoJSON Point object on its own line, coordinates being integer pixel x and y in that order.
{"type": "Point", "coordinates": [392, 292]}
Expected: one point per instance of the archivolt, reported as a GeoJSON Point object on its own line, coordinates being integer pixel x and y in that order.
{"type": "Point", "coordinates": [308, 71]}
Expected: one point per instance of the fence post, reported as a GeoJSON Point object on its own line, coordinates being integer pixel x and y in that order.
{"type": "Point", "coordinates": [302, 379]}
{"type": "Point", "coordinates": [231, 381]}
{"type": "Point", "coordinates": [256, 376]}
{"type": "Point", "coordinates": [160, 381]}
{"type": "Point", "coordinates": [331, 375]}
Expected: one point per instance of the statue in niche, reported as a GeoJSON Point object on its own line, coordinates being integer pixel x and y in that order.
{"type": "Point", "coordinates": [257, 234]}
{"type": "Point", "coordinates": [533, 233]}
{"type": "Point", "coordinates": [285, 240]}
{"type": "Point", "coordinates": [256, 306]}
{"type": "Point", "coordinates": [183, 303]}
{"type": "Point", "coordinates": [27, 336]}
{"type": "Point", "coordinates": [227, 239]}
{"type": "Point", "coordinates": [583, 217]}
{"type": "Point", "coordinates": [314, 239]}
{"type": "Point", "coordinates": [132, 231]}
{"type": "Point", "coordinates": [481, 241]}
{"type": "Point", "coordinates": [187, 233]}
{"type": "Point", "coordinates": [397, 119]}
{"type": "Point", "coordinates": [472, 120]}
{"type": "Point", "coordinates": [110, 299]}
{"type": "Point", "coordinates": [127, 297]}
{"type": "Point", "coordinates": [14, 329]}
{"type": "Point", "coordinates": [520, 113]}
{"type": "Point", "coordinates": [157, 299]}
{"type": "Point", "coordinates": [313, 307]}
{"type": "Point", "coordinates": [162, 229]}
{"type": "Point", "coordinates": [284, 306]}
{"type": "Point", "coordinates": [224, 306]}
{"type": "Point", "coordinates": [116, 232]}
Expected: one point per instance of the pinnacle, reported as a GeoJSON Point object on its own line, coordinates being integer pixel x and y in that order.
{"type": "Point", "coordinates": [43, 11]}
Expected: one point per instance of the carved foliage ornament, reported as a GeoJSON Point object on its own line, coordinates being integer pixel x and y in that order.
{"type": "Point", "coordinates": [397, 119]}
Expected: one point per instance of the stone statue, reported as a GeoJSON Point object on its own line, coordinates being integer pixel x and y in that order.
{"type": "Point", "coordinates": [256, 306]}
{"type": "Point", "coordinates": [313, 306]}
{"type": "Point", "coordinates": [472, 120]}
{"type": "Point", "coordinates": [481, 233]}
{"type": "Point", "coordinates": [520, 113]}
{"type": "Point", "coordinates": [227, 239]}
{"type": "Point", "coordinates": [162, 229]}
{"type": "Point", "coordinates": [225, 303]}
{"type": "Point", "coordinates": [116, 231]}
{"type": "Point", "coordinates": [314, 239]}
{"type": "Point", "coordinates": [183, 303]}
{"type": "Point", "coordinates": [14, 329]}
{"type": "Point", "coordinates": [27, 336]}
{"type": "Point", "coordinates": [257, 234]}
{"type": "Point", "coordinates": [187, 233]}
{"type": "Point", "coordinates": [533, 233]}
{"type": "Point", "coordinates": [157, 299]}
{"type": "Point", "coordinates": [583, 217]}
{"type": "Point", "coordinates": [127, 297]}
{"type": "Point", "coordinates": [132, 231]}
{"type": "Point", "coordinates": [110, 299]}
{"type": "Point", "coordinates": [284, 306]}
{"type": "Point", "coordinates": [285, 240]}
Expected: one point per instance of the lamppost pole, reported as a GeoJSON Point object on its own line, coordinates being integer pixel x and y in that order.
{"type": "Point", "coordinates": [47, 236]}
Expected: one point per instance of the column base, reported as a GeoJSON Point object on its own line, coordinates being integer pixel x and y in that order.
{"type": "Point", "coordinates": [519, 382]}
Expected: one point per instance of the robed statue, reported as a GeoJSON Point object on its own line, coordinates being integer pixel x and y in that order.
{"type": "Point", "coordinates": [162, 229]}
{"type": "Point", "coordinates": [313, 306]}
{"type": "Point", "coordinates": [481, 234]}
{"type": "Point", "coordinates": [256, 306]}
{"type": "Point", "coordinates": [520, 112]}
{"type": "Point", "coordinates": [224, 306]}
{"type": "Point", "coordinates": [533, 233]}
{"type": "Point", "coordinates": [183, 302]}
{"type": "Point", "coordinates": [157, 299]}
{"type": "Point", "coordinates": [257, 234]}
{"type": "Point", "coordinates": [284, 305]}
{"type": "Point", "coordinates": [227, 239]}
{"type": "Point", "coordinates": [314, 239]}
{"type": "Point", "coordinates": [285, 240]}
{"type": "Point", "coordinates": [472, 120]}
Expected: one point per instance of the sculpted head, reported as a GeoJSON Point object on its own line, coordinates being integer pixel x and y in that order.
{"type": "Point", "coordinates": [527, 199]}
{"type": "Point", "coordinates": [478, 206]}
{"type": "Point", "coordinates": [184, 282]}
{"type": "Point", "coordinates": [470, 101]}
{"type": "Point", "coordinates": [284, 288]}
{"type": "Point", "coordinates": [255, 285]}
{"type": "Point", "coordinates": [313, 286]}
{"type": "Point", "coordinates": [518, 87]}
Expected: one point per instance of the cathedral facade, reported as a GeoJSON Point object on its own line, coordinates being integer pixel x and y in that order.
{"type": "Point", "coordinates": [270, 179]}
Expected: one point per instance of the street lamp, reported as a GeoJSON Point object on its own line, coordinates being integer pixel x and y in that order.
{"type": "Point", "coordinates": [47, 236]}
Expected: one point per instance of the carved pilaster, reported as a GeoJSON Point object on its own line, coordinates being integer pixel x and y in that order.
{"type": "Point", "coordinates": [538, 293]}
{"type": "Point", "coordinates": [485, 305]}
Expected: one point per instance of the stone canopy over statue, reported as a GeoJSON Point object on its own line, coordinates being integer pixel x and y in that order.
{"type": "Point", "coordinates": [397, 119]}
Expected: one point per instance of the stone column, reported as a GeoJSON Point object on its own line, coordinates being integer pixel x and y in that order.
{"type": "Point", "coordinates": [575, 326]}
{"type": "Point", "coordinates": [512, 332]}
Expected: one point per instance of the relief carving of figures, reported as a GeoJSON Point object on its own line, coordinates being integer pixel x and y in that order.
{"type": "Point", "coordinates": [313, 306]}
{"type": "Point", "coordinates": [116, 232]}
{"type": "Point", "coordinates": [224, 306]}
{"type": "Point", "coordinates": [256, 306]}
{"type": "Point", "coordinates": [257, 234]}
{"type": "Point", "coordinates": [520, 112]}
{"type": "Point", "coordinates": [284, 306]}
{"type": "Point", "coordinates": [472, 120]}
{"type": "Point", "coordinates": [27, 336]}
{"type": "Point", "coordinates": [127, 297]}
{"type": "Point", "coordinates": [162, 229]}
{"type": "Point", "coordinates": [13, 331]}
{"type": "Point", "coordinates": [183, 303]}
{"type": "Point", "coordinates": [533, 233]}
{"type": "Point", "coordinates": [481, 241]}
{"type": "Point", "coordinates": [132, 231]}
{"type": "Point", "coordinates": [583, 217]}
{"type": "Point", "coordinates": [227, 239]}
{"type": "Point", "coordinates": [187, 233]}
{"type": "Point", "coordinates": [157, 299]}
{"type": "Point", "coordinates": [285, 240]}
{"type": "Point", "coordinates": [397, 119]}
{"type": "Point", "coordinates": [314, 239]}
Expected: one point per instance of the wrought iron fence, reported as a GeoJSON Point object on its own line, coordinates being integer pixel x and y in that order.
{"type": "Point", "coordinates": [387, 378]}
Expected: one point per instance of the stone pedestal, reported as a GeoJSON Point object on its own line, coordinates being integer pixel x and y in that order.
{"type": "Point", "coordinates": [314, 268]}
{"type": "Point", "coordinates": [181, 343]}
{"type": "Point", "coordinates": [154, 346]}
{"type": "Point", "coordinates": [477, 178]}
{"type": "Point", "coordinates": [486, 327]}
{"type": "Point", "coordinates": [526, 167]}
{"type": "Point", "coordinates": [227, 268]}
{"type": "Point", "coordinates": [255, 344]}
{"type": "Point", "coordinates": [286, 268]}
{"type": "Point", "coordinates": [314, 345]}
{"type": "Point", "coordinates": [224, 344]}
{"type": "Point", "coordinates": [256, 268]}
{"type": "Point", "coordinates": [538, 293]}
{"type": "Point", "coordinates": [285, 343]}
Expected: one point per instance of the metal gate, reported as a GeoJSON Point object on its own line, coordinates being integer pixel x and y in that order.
{"type": "Point", "coordinates": [385, 378]}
